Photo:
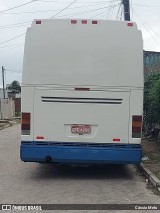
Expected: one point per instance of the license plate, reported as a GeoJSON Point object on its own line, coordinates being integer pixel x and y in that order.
{"type": "Point", "coordinates": [81, 129]}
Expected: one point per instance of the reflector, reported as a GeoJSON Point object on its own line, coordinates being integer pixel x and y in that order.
{"type": "Point", "coordinates": [38, 22]}
{"type": "Point", "coordinates": [73, 21]}
{"type": "Point", "coordinates": [40, 137]}
{"type": "Point", "coordinates": [116, 139]}
{"type": "Point", "coordinates": [84, 21]}
{"type": "Point", "coordinates": [94, 22]}
{"type": "Point", "coordinates": [130, 24]}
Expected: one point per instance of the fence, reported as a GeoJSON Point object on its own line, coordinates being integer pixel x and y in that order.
{"type": "Point", "coordinates": [17, 102]}
{"type": "Point", "coordinates": [7, 108]}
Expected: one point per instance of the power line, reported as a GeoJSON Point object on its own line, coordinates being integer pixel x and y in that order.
{"type": "Point", "coordinates": [131, 5]}
{"type": "Point", "coordinates": [4, 28]}
{"type": "Point", "coordinates": [102, 12]}
{"type": "Point", "coordinates": [99, 14]}
{"type": "Point", "coordinates": [109, 10]}
{"type": "Point", "coordinates": [16, 71]}
{"type": "Point", "coordinates": [112, 10]}
{"type": "Point", "coordinates": [15, 24]}
{"type": "Point", "coordinates": [23, 24]}
{"type": "Point", "coordinates": [150, 28]}
{"type": "Point", "coordinates": [12, 48]}
{"type": "Point", "coordinates": [144, 5]}
{"type": "Point", "coordinates": [122, 11]}
{"type": "Point", "coordinates": [21, 5]}
{"type": "Point", "coordinates": [146, 29]}
{"type": "Point", "coordinates": [118, 11]}
{"type": "Point", "coordinates": [20, 24]}
{"type": "Point", "coordinates": [12, 38]}
{"type": "Point", "coordinates": [44, 11]}
{"type": "Point", "coordinates": [13, 75]}
{"type": "Point", "coordinates": [11, 45]}
{"type": "Point", "coordinates": [64, 8]}
{"type": "Point", "coordinates": [87, 11]}
{"type": "Point", "coordinates": [79, 2]}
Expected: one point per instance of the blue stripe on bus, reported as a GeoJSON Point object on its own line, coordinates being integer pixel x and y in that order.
{"type": "Point", "coordinates": [94, 153]}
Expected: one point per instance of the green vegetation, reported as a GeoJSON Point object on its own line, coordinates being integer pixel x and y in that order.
{"type": "Point", "coordinates": [152, 103]}
{"type": "Point", "coordinates": [17, 114]}
{"type": "Point", "coordinates": [152, 99]}
{"type": "Point", "coordinates": [15, 85]}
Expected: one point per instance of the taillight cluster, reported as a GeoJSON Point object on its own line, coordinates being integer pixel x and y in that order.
{"type": "Point", "coordinates": [83, 21]}
{"type": "Point", "coordinates": [25, 123]}
{"type": "Point", "coordinates": [136, 126]}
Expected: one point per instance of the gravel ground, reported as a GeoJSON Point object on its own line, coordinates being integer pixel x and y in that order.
{"type": "Point", "coordinates": [41, 184]}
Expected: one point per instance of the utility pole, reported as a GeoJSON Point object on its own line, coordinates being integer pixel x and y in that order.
{"type": "Point", "coordinates": [126, 10]}
{"type": "Point", "coordinates": [3, 81]}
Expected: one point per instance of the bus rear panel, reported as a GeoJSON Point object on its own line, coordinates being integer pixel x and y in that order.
{"type": "Point", "coordinates": [82, 92]}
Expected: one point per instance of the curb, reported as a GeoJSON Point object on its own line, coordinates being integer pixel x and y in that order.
{"type": "Point", "coordinates": [150, 176]}
{"type": "Point", "coordinates": [8, 125]}
{"type": "Point", "coordinates": [5, 126]}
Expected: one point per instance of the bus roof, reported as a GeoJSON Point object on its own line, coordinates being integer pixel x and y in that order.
{"type": "Point", "coordinates": [83, 52]}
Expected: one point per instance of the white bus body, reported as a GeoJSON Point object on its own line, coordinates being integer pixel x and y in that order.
{"type": "Point", "coordinates": [82, 92]}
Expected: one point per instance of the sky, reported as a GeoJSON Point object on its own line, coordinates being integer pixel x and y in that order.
{"type": "Point", "coordinates": [17, 15]}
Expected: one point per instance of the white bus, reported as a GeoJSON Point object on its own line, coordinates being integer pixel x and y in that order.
{"type": "Point", "coordinates": [82, 92]}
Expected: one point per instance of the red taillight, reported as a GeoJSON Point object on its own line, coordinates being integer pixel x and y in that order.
{"type": "Point", "coordinates": [25, 123]}
{"type": "Point", "coordinates": [136, 126]}
{"type": "Point", "coordinates": [38, 22]}
{"type": "Point", "coordinates": [84, 21]}
{"type": "Point", "coordinates": [40, 137]}
{"type": "Point", "coordinates": [116, 139]}
{"type": "Point", "coordinates": [94, 22]}
{"type": "Point", "coordinates": [130, 24]}
{"type": "Point", "coordinates": [73, 21]}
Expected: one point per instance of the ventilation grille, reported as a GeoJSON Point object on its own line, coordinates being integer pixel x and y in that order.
{"type": "Point", "coordinates": [81, 100]}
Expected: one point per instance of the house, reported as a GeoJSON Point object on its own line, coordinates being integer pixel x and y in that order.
{"type": "Point", "coordinates": [12, 93]}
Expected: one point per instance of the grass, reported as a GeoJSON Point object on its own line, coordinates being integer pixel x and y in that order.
{"type": "Point", "coordinates": [151, 149]}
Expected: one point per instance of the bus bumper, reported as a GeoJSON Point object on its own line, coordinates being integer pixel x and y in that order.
{"type": "Point", "coordinates": [80, 153]}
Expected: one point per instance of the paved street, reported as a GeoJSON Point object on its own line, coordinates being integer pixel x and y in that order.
{"type": "Point", "coordinates": [37, 183]}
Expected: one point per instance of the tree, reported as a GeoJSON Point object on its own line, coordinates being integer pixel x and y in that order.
{"type": "Point", "coordinates": [15, 85]}
{"type": "Point", "coordinates": [152, 101]}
